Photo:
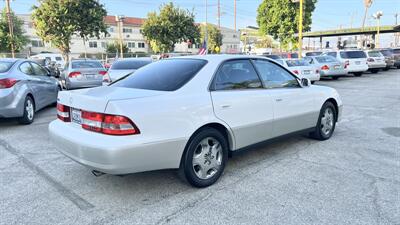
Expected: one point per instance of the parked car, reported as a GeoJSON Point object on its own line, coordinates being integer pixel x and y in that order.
{"type": "Point", "coordinates": [290, 55]}
{"type": "Point", "coordinates": [50, 66]}
{"type": "Point", "coordinates": [25, 88]}
{"type": "Point", "coordinates": [273, 56]}
{"type": "Point", "coordinates": [123, 67]}
{"type": "Point", "coordinates": [396, 57]}
{"type": "Point", "coordinates": [189, 113]}
{"type": "Point", "coordinates": [301, 68]}
{"type": "Point", "coordinates": [83, 73]}
{"type": "Point", "coordinates": [53, 57]}
{"type": "Point", "coordinates": [389, 58]}
{"type": "Point", "coordinates": [327, 66]}
{"type": "Point", "coordinates": [375, 60]}
{"type": "Point", "coordinates": [355, 61]}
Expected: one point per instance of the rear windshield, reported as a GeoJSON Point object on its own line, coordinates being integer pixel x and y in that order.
{"type": "Point", "coordinates": [325, 59]}
{"type": "Point", "coordinates": [129, 64]}
{"type": "Point", "coordinates": [396, 51]}
{"type": "Point", "coordinates": [386, 52]}
{"type": "Point", "coordinates": [164, 75]}
{"type": "Point", "coordinates": [273, 56]}
{"type": "Point", "coordinates": [58, 58]}
{"type": "Point", "coordinates": [297, 62]}
{"type": "Point", "coordinates": [5, 66]}
{"type": "Point", "coordinates": [86, 64]}
{"type": "Point", "coordinates": [353, 54]}
{"type": "Point", "coordinates": [374, 54]}
{"type": "Point", "coordinates": [313, 53]}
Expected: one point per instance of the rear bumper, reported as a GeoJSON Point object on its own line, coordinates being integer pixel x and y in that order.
{"type": "Point", "coordinates": [74, 84]}
{"type": "Point", "coordinates": [332, 73]}
{"type": "Point", "coordinates": [376, 65]}
{"type": "Point", "coordinates": [115, 154]}
{"type": "Point", "coordinates": [12, 103]}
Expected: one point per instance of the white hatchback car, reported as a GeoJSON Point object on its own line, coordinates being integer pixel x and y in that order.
{"type": "Point", "coordinates": [189, 113]}
{"type": "Point", "coordinates": [355, 61]}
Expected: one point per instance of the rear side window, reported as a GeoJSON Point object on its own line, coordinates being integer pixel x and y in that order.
{"type": "Point", "coordinates": [353, 55]}
{"type": "Point", "coordinates": [85, 64]}
{"type": "Point", "coordinates": [297, 62]}
{"type": "Point", "coordinates": [325, 59]}
{"type": "Point", "coordinates": [129, 64]}
{"type": "Point", "coordinates": [5, 66]}
{"type": "Point", "coordinates": [374, 54]}
{"type": "Point", "coordinates": [164, 75]}
{"type": "Point", "coordinates": [237, 74]}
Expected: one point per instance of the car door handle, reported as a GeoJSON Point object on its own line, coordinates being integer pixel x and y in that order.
{"type": "Point", "coordinates": [278, 99]}
{"type": "Point", "coordinates": [225, 106]}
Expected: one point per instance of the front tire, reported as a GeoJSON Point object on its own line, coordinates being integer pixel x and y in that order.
{"type": "Point", "coordinates": [205, 157]}
{"type": "Point", "coordinates": [358, 74]}
{"type": "Point", "coordinates": [29, 111]}
{"type": "Point", "coordinates": [335, 78]}
{"type": "Point", "coordinates": [326, 122]}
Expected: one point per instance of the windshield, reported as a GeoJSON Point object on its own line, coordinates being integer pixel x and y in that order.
{"type": "Point", "coordinates": [297, 62]}
{"type": "Point", "coordinates": [353, 54]}
{"type": "Point", "coordinates": [86, 64]}
{"type": "Point", "coordinates": [386, 52]}
{"type": "Point", "coordinates": [5, 66]}
{"type": "Point", "coordinates": [129, 64]}
{"type": "Point", "coordinates": [325, 59]}
{"type": "Point", "coordinates": [164, 75]}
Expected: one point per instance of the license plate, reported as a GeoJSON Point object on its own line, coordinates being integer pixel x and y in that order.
{"type": "Point", "coordinates": [358, 62]}
{"type": "Point", "coordinates": [336, 67]}
{"type": "Point", "coordinates": [76, 116]}
{"type": "Point", "coordinates": [89, 76]}
{"type": "Point", "coordinates": [306, 72]}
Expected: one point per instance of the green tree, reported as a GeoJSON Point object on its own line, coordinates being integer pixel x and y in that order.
{"type": "Point", "coordinates": [280, 18]}
{"type": "Point", "coordinates": [214, 37]}
{"type": "Point", "coordinates": [265, 42]}
{"type": "Point", "coordinates": [19, 39]}
{"type": "Point", "coordinates": [56, 21]}
{"type": "Point", "coordinates": [172, 25]}
{"type": "Point", "coordinates": [114, 48]}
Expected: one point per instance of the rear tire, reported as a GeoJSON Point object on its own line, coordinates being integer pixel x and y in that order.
{"type": "Point", "coordinates": [326, 122]}
{"type": "Point", "coordinates": [358, 74]}
{"type": "Point", "coordinates": [205, 157]}
{"type": "Point", "coordinates": [29, 111]}
{"type": "Point", "coordinates": [313, 82]}
{"type": "Point", "coordinates": [374, 71]}
{"type": "Point", "coordinates": [335, 78]}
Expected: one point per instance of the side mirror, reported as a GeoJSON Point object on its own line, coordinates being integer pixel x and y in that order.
{"type": "Point", "coordinates": [305, 82]}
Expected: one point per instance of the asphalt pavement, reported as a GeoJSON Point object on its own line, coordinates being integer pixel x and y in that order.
{"type": "Point", "coordinates": [353, 178]}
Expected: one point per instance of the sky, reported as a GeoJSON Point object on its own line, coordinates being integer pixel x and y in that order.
{"type": "Point", "coordinates": [329, 14]}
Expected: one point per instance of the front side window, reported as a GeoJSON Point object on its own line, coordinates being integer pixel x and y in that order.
{"type": "Point", "coordinates": [38, 70]}
{"type": "Point", "coordinates": [237, 74]}
{"type": "Point", "coordinates": [164, 75]}
{"type": "Point", "coordinates": [275, 76]}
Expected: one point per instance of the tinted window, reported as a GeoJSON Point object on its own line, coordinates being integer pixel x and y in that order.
{"type": "Point", "coordinates": [5, 66]}
{"type": "Point", "coordinates": [374, 54]}
{"type": "Point", "coordinates": [237, 74]}
{"type": "Point", "coordinates": [310, 60]}
{"type": "Point", "coordinates": [353, 54]}
{"type": "Point", "coordinates": [396, 51]}
{"type": "Point", "coordinates": [275, 76]}
{"type": "Point", "coordinates": [273, 56]}
{"type": "Point", "coordinates": [26, 68]}
{"type": "Point", "coordinates": [38, 70]}
{"type": "Point", "coordinates": [333, 54]}
{"type": "Point", "coordinates": [325, 59]}
{"type": "Point", "coordinates": [297, 62]}
{"type": "Point", "coordinates": [86, 64]}
{"type": "Point", "coordinates": [164, 75]}
{"type": "Point", "coordinates": [313, 53]}
{"type": "Point", "coordinates": [386, 52]}
{"type": "Point", "coordinates": [129, 64]}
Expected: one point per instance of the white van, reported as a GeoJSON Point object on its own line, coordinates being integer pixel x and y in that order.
{"type": "Point", "coordinates": [53, 57]}
{"type": "Point", "coordinates": [354, 61]}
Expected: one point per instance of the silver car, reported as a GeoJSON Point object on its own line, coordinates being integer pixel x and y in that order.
{"type": "Point", "coordinates": [123, 67]}
{"type": "Point", "coordinates": [375, 60]}
{"type": "Point", "coordinates": [25, 88]}
{"type": "Point", "coordinates": [83, 74]}
{"type": "Point", "coordinates": [327, 66]}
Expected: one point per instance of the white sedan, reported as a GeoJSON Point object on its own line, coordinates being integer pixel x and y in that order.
{"type": "Point", "coordinates": [189, 113]}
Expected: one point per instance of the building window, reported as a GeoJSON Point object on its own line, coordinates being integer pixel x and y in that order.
{"type": "Point", "coordinates": [92, 44]}
{"type": "Point", "coordinates": [131, 44]}
{"type": "Point", "coordinates": [141, 45]}
{"type": "Point", "coordinates": [103, 44]}
{"type": "Point", "coordinates": [110, 29]}
{"type": "Point", "coordinates": [234, 36]}
{"type": "Point", "coordinates": [127, 30]}
{"type": "Point", "coordinates": [37, 43]}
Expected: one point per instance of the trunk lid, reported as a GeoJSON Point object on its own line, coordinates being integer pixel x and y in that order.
{"type": "Point", "coordinates": [96, 99]}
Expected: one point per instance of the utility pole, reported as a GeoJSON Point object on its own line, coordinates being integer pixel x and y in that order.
{"type": "Point", "coordinates": [234, 12]}
{"type": "Point", "coordinates": [10, 27]}
{"type": "Point", "coordinates": [378, 16]}
{"type": "Point", "coordinates": [206, 30]}
{"type": "Point", "coordinates": [395, 16]}
{"type": "Point", "coordinates": [219, 15]}
{"type": "Point", "coordinates": [119, 20]}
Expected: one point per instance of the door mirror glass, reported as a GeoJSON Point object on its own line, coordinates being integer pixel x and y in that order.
{"type": "Point", "coordinates": [305, 82]}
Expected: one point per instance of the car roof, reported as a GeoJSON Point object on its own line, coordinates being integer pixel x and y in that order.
{"type": "Point", "coordinates": [135, 59]}
{"type": "Point", "coordinates": [10, 59]}
{"type": "Point", "coordinates": [220, 58]}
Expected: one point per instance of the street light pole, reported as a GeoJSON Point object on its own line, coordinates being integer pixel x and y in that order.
{"type": "Point", "coordinates": [234, 12]}
{"type": "Point", "coordinates": [10, 27]}
{"type": "Point", "coordinates": [119, 20]}
{"type": "Point", "coordinates": [300, 25]}
{"type": "Point", "coordinates": [377, 16]}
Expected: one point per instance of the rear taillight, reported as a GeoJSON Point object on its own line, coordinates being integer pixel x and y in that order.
{"type": "Point", "coordinates": [296, 72]}
{"type": "Point", "coordinates": [108, 124]}
{"type": "Point", "coordinates": [63, 112]}
{"type": "Point", "coordinates": [7, 83]}
{"type": "Point", "coordinates": [102, 73]}
{"type": "Point", "coordinates": [346, 64]}
{"type": "Point", "coordinates": [370, 60]}
{"type": "Point", "coordinates": [74, 74]}
{"type": "Point", "coordinates": [325, 67]}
